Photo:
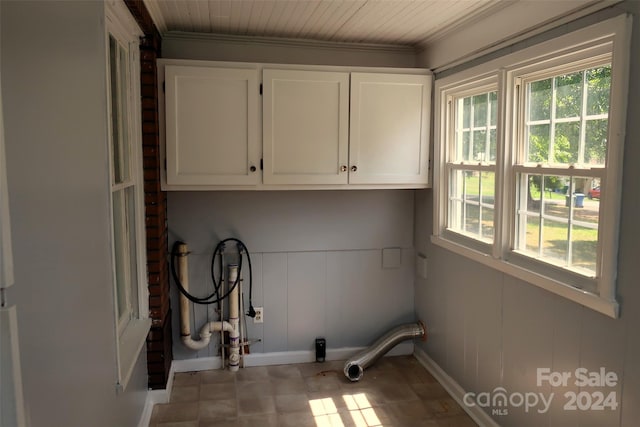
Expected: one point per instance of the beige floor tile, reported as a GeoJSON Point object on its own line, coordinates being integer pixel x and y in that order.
{"type": "Point", "coordinates": [456, 421]}
{"type": "Point", "coordinates": [254, 389]}
{"type": "Point", "coordinates": [410, 412]}
{"type": "Point", "coordinates": [219, 423]}
{"type": "Point", "coordinates": [269, 420]}
{"type": "Point", "coordinates": [217, 409]}
{"type": "Point", "coordinates": [396, 392]}
{"type": "Point", "coordinates": [288, 385]}
{"type": "Point", "coordinates": [252, 373]}
{"type": "Point", "coordinates": [186, 378]}
{"type": "Point", "coordinates": [172, 412]}
{"type": "Point", "coordinates": [335, 396]}
{"type": "Point", "coordinates": [176, 424]}
{"type": "Point", "coordinates": [217, 376]}
{"type": "Point", "coordinates": [315, 368]}
{"type": "Point", "coordinates": [286, 403]}
{"type": "Point", "coordinates": [284, 371]}
{"type": "Point", "coordinates": [296, 419]}
{"type": "Point", "coordinates": [256, 406]}
{"type": "Point", "coordinates": [219, 391]}
{"type": "Point", "coordinates": [186, 393]}
{"type": "Point", "coordinates": [429, 391]}
{"type": "Point", "coordinates": [326, 382]}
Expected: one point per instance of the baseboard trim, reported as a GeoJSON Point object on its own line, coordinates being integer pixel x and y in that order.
{"type": "Point", "coordinates": [453, 388]}
{"type": "Point", "coordinates": [156, 396]}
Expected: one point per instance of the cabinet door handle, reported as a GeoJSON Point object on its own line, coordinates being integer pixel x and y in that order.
{"type": "Point", "coordinates": [354, 168]}
{"type": "Point", "coordinates": [343, 168]}
{"type": "Point", "coordinates": [252, 168]}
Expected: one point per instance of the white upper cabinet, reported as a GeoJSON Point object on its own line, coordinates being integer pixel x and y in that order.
{"type": "Point", "coordinates": [310, 127]}
{"type": "Point", "coordinates": [305, 127]}
{"type": "Point", "coordinates": [211, 126]}
{"type": "Point", "coordinates": [389, 128]}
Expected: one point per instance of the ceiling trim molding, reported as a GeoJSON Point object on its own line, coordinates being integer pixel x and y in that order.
{"type": "Point", "coordinates": [509, 40]}
{"type": "Point", "coordinates": [477, 16]}
{"type": "Point", "coordinates": [287, 42]}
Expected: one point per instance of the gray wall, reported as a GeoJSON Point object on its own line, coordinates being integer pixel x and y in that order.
{"type": "Point", "coordinates": [317, 262]}
{"type": "Point", "coordinates": [317, 255]}
{"type": "Point", "coordinates": [488, 329]}
{"type": "Point", "coordinates": [54, 95]}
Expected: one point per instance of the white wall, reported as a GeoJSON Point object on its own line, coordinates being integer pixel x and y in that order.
{"type": "Point", "coordinates": [488, 329]}
{"type": "Point", "coordinates": [317, 255]}
{"type": "Point", "coordinates": [53, 85]}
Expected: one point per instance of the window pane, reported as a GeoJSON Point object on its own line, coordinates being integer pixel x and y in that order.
{"type": "Point", "coordinates": [471, 208]}
{"type": "Point", "coordinates": [595, 151]}
{"type": "Point", "coordinates": [475, 117]}
{"type": "Point", "coordinates": [538, 143]}
{"type": "Point", "coordinates": [118, 62]}
{"type": "Point", "coordinates": [568, 95]}
{"type": "Point", "coordinates": [479, 145]}
{"type": "Point", "coordinates": [466, 112]}
{"type": "Point", "coordinates": [487, 223]}
{"type": "Point", "coordinates": [557, 222]}
{"type": "Point", "coordinates": [566, 142]}
{"type": "Point", "coordinates": [124, 115]}
{"type": "Point", "coordinates": [121, 249]}
{"type": "Point", "coordinates": [540, 100]}
{"type": "Point", "coordinates": [464, 146]}
{"type": "Point", "coordinates": [493, 104]}
{"type": "Point", "coordinates": [480, 110]}
{"type": "Point", "coordinates": [125, 251]}
{"type": "Point", "coordinates": [554, 241]}
{"type": "Point", "coordinates": [584, 244]}
{"type": "Point", "coordinates": [598, 90]}
{"type": "Point", "coordinates": [493, 144]}
{"type": "Point", "coordinates": [116, 148]}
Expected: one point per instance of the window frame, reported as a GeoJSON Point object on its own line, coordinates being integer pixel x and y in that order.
{"type": "Point", "coordinates": [552, 57]}
{"type": "Point", "coordinates": [129, 334]}
{"type": "Point", "coordinates": [472, 87]}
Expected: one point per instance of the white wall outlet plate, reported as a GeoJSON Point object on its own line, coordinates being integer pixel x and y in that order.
{"type": "Point", "coordinates": [259, 315]}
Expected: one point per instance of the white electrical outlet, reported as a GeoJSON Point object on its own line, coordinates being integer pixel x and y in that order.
{"type": "Point", "coordinates": [259, 315]}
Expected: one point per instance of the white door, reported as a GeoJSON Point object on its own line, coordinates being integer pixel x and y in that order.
{"type": "Point", "coordinates": [389, 129]}
{"type": "Point", "coordinates": [305, 127]}
{"type": "Point", "coordinates": [212, 126]}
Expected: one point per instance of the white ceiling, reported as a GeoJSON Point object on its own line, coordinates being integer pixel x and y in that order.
{"type": "Point", "coordinates": [399, 22]}
{"type": "Point", "coordinates": [415, 23]}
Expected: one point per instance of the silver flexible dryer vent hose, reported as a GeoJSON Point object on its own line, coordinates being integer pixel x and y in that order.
{"type": "Point", "coordinates": [354, 368]}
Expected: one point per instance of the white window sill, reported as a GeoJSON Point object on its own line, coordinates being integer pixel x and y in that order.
{"type": "Point", "coordinates": [587, 299]}
{"type": "Point", "coordinates": [130, 344]}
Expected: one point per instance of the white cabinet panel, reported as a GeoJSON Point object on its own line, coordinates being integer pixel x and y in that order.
{"type": "Point", "coordinates": [211, 126]}
{"type": "Point", "coordinates": [389, 128]}
{"type": "Point", "coordinates": [305, 127]}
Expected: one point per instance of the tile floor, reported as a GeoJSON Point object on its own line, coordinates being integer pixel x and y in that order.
{"type": "Point", "coordinates": [395, 392]}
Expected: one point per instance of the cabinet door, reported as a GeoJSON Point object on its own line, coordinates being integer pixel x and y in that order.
{"type": "Point", "coordinates": [389, 129]}
{"type": "Point", "coordinates": [305, 127]}
{"type": "Point", "coordinates": [211, 126]}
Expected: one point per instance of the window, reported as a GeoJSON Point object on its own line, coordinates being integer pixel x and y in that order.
{"type": "Point", "coordinates": [129, 263]}
{"type": "Point", "coordinates": [471, 164]}
{"type": "Point", "coordinates": [529, 162]}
